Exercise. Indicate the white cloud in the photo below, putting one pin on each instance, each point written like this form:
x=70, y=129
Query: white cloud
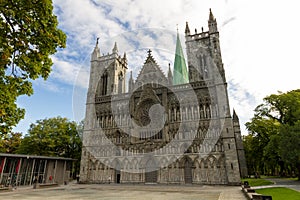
x=47, y=85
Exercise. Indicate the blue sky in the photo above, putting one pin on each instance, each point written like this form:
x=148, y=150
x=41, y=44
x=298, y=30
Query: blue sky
x=259, y=42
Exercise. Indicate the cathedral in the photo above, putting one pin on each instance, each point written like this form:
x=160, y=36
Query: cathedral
x=162, y=129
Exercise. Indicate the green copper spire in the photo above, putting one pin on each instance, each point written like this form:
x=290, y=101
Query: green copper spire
x=180, y=75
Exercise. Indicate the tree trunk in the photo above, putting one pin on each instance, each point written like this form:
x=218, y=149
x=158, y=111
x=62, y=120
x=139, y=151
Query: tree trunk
x=281, y=164
x=298, y=166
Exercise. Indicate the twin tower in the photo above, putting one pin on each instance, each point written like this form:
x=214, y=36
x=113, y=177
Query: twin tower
x=162, y=129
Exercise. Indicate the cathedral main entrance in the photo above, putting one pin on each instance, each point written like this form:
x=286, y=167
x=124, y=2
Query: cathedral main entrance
x=188, y=178
x=151, y=172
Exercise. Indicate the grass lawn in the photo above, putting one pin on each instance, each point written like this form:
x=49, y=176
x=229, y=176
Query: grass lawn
x=257, y=181
x=292, y=179
x=280, y=193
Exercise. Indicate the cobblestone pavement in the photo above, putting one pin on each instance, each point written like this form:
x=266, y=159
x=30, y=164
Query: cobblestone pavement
x=114, y=191
x=282, y=182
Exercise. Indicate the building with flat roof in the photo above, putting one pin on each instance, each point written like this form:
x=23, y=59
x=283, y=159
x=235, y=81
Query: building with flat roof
x=19, y=169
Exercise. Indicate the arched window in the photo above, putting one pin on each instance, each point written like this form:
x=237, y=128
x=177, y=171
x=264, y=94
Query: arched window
x=104, y=84
x=118, y=137
x=118, y=152
x=120, y=85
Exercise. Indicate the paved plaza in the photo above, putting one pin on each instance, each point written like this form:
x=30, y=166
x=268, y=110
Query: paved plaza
x=114, y=191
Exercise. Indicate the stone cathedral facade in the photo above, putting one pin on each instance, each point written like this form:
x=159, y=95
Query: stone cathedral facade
x=157, y=131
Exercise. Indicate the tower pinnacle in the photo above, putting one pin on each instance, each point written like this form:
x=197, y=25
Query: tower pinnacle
x=211, y=15
x=131, y=83
x=235, y=116
x=187, y=29
x=212, y=23
x=170, y=76
x=96, y=52
x=115, y=49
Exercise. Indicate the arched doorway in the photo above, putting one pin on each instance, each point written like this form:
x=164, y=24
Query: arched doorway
x=150, y=172
x=188, y=176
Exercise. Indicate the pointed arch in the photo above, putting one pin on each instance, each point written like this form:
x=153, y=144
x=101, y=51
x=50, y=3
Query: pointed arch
x=116, y=164
x=120, y=82
x=211, y=161
x=187, y=165
x=163, y=162
x=104, y=83
x=151, y=171
x=197, y=162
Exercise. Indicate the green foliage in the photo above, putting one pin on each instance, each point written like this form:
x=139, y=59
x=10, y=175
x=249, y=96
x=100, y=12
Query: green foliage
x=255, y=143
x=257, y=181
x=280, y=193
x=282, y=107
x=289, y=145
x=274, y=137
x=52, y=137
x=253, y=153
x=10, y=142
x=28, y=36
x=271, y=156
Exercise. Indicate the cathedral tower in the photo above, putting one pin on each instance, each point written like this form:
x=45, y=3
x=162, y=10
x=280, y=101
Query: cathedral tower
x=205, y=65
x=107, y=77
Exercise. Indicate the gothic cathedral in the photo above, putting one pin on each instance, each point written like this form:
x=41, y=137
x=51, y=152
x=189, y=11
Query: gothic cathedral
x=162, y=129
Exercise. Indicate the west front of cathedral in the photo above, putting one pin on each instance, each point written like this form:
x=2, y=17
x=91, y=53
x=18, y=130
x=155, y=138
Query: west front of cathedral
x=165, y=129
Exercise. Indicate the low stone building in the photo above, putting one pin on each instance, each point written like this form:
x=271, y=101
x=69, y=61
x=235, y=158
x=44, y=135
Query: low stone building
x=164, y=129
x=18, y=169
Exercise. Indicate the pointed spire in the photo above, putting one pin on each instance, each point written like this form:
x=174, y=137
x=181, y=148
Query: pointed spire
x=115, y=49
x=96, y=52
x=187, y=29
x=169, y=71
x=97, y=41
x=212, y=23
x=131, y=83
x=211, y=16
x=235, y=116
x=170, y=76
x=180, y=75
x=125, y=58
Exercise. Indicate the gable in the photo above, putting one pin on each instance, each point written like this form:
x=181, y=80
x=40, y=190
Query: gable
x=151, y=72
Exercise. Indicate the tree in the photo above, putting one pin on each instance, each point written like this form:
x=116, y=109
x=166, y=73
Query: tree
x=273, y=123
x=10, y=142
x=252, y=153
x=289, y=145
x=53, y=137
x=261, y=130
x=282, y=107
x=271, y=155
x=28, y=36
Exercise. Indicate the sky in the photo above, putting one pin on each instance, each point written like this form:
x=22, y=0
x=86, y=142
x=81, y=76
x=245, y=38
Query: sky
x=259, y=43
